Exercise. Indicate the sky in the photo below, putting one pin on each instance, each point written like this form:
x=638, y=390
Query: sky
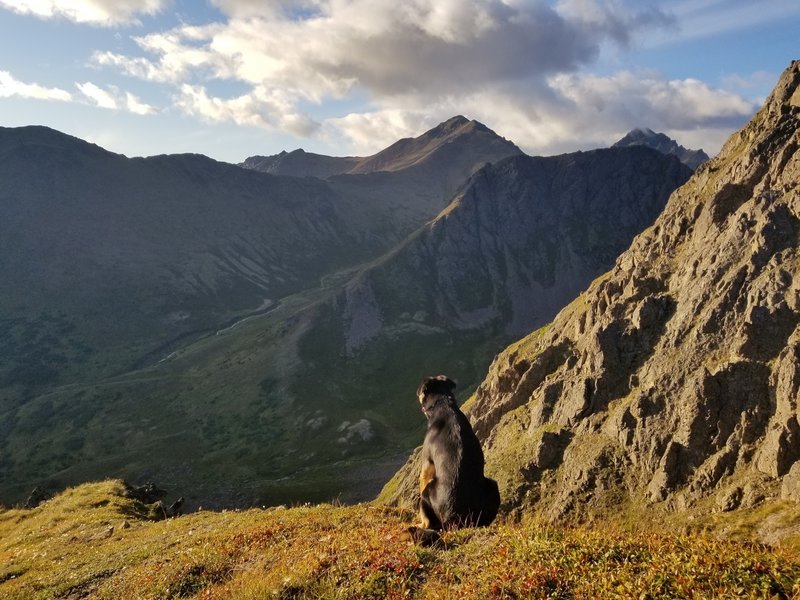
x=236, y=78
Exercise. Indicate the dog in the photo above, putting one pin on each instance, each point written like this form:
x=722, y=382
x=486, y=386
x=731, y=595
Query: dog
x=453, y=489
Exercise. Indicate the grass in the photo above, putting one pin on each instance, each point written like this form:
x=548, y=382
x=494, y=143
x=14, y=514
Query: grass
x=90, y=542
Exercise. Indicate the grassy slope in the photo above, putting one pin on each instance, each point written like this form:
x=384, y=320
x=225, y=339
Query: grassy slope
x=90, y=542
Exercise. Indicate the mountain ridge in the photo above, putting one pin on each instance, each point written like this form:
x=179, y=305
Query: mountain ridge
x=665, y=144
x=402, y=154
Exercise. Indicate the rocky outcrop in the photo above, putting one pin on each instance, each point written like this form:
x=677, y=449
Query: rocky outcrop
x=665, y=144
x=674, y=379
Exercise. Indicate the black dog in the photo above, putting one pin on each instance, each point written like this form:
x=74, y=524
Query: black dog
x=453, y=490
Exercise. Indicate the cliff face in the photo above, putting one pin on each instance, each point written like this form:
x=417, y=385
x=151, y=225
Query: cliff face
x=674, y=379
x=521, y=239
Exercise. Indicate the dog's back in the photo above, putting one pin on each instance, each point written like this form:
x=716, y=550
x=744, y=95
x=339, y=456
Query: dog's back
x=459, y=493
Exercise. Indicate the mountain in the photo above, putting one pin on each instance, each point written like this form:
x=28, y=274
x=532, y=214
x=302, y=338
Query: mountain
x=457, y=144
x=520, y=240
x=403, y=186
x=665, y=144
x=105, y=258
x=672, y=382
x=209, y=326
x=141, y=251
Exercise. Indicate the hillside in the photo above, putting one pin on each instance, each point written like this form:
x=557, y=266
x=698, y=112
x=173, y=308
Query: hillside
x=112, y=266
x=521, y=239
x=671, y=384
x=93, y=542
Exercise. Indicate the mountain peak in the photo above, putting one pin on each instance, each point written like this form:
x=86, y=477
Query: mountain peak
x=664, y=144
x=456, y=121
x=471, y=135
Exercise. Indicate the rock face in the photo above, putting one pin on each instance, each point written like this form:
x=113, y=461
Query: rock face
x=522, y=238
x=674, y=380
x=665, y=144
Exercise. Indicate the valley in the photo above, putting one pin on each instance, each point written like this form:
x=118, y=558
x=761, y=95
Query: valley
x=161, y=360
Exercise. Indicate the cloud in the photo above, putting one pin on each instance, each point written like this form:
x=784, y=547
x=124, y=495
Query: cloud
x=97, y=96
x=11, y=87
x=677, y=104
x=110, y=98
x=517, y=65
x=261, y=108
x=327, y=47
x=566, y=112
x=395, y=54
x=92, y=12
x=113, y=99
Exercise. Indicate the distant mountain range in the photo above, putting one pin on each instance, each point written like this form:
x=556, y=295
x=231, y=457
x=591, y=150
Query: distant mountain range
x=253, y=334
x=664, y=144
x=450, y=145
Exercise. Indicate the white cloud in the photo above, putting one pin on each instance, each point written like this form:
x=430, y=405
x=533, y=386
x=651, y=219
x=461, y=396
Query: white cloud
x=97, y=96
x=92, y=12
x=110, y=98
x=514, y=64
x=11, y=87
x=566, y=113
x=367, y=133
x=136, y=106
x=261, y=108
x=113, y=99
x=397, y=54
x=677, y=104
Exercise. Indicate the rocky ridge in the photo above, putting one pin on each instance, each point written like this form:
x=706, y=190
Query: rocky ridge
x=673, y=381
x=665, y=144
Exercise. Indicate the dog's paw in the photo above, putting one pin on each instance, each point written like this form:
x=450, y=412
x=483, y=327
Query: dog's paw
x=423, y=537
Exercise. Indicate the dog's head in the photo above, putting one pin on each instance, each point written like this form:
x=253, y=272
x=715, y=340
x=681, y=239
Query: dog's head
x=433, y=389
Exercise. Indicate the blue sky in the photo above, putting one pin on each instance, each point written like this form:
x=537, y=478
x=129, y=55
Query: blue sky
x=233, y=78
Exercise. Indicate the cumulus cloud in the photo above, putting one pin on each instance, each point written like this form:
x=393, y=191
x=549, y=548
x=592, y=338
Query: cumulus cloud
x=91, y=12
x=260, y=108
x=11, y=87
x=566, y=112
x=614, y=103
x=517, y=65
x=395, y=53
x=112, y=98
x=387, y=48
